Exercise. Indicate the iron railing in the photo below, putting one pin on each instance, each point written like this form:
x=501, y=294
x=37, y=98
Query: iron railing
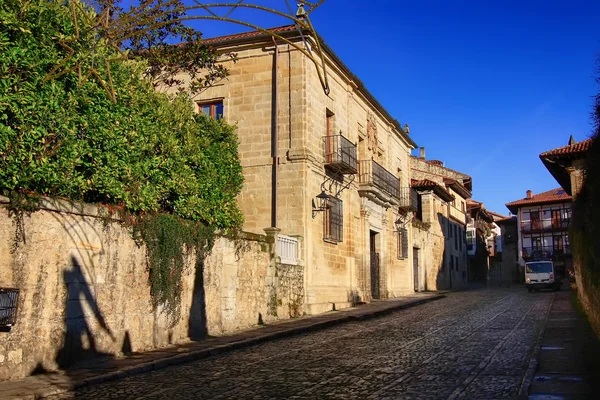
x=545, y=252
x=9, y=301
x=288, y=249
x=409, y=199
x=545, y=225
x=370, y=172
x=340, y=153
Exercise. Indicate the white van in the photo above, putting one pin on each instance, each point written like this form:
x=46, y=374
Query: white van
x=541, y=275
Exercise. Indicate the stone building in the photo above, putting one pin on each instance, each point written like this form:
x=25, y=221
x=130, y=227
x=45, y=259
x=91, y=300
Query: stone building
x=509, y=257
x=330, y=171
x=566, y=164
x=440, y=223
x=479, y=231
x=543, y=227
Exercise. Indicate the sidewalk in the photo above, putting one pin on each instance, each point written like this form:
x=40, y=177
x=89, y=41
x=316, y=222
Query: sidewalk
x=40, y=386
x=569, y=355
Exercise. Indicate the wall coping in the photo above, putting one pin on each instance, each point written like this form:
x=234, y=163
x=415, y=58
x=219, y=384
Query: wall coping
x=105, y=212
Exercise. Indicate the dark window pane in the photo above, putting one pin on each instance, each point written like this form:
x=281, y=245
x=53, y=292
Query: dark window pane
x=219, y=110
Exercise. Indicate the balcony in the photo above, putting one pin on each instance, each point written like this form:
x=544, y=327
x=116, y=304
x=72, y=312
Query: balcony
x=409, y=200
x=457, y=214
x=545, y=225
x=372, y=177
x=545, y=252
x=340, y=154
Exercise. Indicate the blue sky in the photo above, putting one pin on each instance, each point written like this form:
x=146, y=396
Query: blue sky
x=485, y=86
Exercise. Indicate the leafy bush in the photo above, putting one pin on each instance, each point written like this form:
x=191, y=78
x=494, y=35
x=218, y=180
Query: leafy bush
x=66, y=137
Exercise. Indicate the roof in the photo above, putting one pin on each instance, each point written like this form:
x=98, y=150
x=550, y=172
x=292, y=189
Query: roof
x=558, y=195
x=248, y=35
x=497, y=217
x=292, y=32
x=426, y=184
x=558, y=160
x=458, y=187
x=570, y=149
x=512, y=218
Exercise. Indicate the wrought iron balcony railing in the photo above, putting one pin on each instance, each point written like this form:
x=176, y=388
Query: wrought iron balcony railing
x=340, y=154
x=545, y=225
x=545, y=252
x=409, y=200
x=371, y=173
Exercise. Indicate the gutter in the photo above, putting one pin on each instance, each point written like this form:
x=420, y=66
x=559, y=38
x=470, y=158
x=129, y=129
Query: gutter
x=274, y=138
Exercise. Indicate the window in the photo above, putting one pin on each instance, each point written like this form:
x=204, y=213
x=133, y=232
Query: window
x=451, y=263
x=460, y=238
x=333, y=221
x=214, y=109
x=456, y=262
x=402, y=244
x=455, y=237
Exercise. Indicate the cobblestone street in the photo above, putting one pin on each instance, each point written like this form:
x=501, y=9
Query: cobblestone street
x=475, y=344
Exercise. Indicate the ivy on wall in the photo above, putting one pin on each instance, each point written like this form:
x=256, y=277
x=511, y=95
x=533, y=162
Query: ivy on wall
x=148, y=152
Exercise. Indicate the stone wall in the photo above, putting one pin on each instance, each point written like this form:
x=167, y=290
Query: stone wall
x=84, y=289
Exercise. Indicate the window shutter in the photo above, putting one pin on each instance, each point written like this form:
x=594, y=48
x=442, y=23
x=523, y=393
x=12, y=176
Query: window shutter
x=404, y=233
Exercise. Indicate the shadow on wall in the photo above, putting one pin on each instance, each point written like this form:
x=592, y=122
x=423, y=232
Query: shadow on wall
x=79, y=341
x=444, y=279
x=197, y=329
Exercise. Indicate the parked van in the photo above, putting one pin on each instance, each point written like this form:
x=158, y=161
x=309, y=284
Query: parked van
x=541, y=275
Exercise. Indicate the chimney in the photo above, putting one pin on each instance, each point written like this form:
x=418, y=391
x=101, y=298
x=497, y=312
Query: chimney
x=422, y=153
x=529, y=196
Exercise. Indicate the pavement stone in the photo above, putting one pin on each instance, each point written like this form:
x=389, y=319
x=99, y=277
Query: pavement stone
x=104, y=370
x=468, y=345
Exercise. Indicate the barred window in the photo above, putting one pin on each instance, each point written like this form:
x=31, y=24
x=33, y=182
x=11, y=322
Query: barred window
x=402, y=243
x=333, y=221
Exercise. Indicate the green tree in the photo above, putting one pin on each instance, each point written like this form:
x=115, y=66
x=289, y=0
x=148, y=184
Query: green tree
x=63, y=134
x=65, y=137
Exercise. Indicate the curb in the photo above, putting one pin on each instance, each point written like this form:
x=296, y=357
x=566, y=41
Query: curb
x=224, y=348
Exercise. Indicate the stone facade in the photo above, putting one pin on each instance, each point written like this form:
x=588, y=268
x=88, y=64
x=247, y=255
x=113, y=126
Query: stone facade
x=84, y=289
x=275, y=92
x=442, y=238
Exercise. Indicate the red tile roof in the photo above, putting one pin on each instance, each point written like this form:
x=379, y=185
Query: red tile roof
x=423, y=183
x=551, y=196
x=575, y=148
x=251, y=34
x=431, y=185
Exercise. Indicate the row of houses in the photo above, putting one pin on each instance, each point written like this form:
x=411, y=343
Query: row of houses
x=539, y=228
x=334, y=176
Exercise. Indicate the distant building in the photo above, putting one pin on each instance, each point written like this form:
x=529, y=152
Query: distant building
x=440, y=222
x=543, y=227
x=478, y=233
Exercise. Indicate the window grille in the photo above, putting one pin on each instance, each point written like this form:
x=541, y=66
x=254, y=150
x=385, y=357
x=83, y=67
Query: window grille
x=402, y=243
x=333, y=221
x=9, y=300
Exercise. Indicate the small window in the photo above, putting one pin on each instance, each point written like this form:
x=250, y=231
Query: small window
x=402, y=244
x=451, y=263
x=214, y=109
x=333, y=221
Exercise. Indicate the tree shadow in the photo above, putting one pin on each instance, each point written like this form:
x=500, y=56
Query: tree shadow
x=79, y=341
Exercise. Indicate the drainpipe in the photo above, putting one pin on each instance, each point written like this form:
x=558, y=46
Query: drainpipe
x=274, y=138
